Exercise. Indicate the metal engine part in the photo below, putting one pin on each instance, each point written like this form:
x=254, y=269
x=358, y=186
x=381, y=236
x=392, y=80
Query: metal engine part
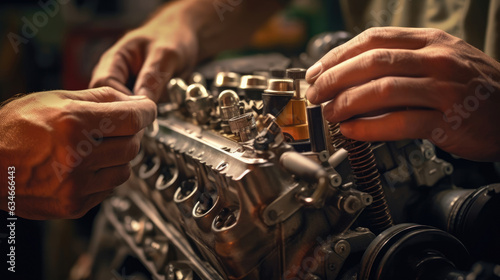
x=219, y=192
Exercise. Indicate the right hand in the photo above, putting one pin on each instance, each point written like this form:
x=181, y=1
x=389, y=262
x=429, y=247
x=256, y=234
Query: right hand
x=153, y=52
x=69, y=148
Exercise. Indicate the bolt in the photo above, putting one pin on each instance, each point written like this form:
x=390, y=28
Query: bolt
x=342, y=247
x=428, y=153
x=272, y=215
x=352, y=204
x=447, y=169
x=335, y=180
x=331, y=267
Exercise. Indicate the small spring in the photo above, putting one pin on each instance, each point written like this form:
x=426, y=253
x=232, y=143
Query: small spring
x=337, y=139
x=367, y=176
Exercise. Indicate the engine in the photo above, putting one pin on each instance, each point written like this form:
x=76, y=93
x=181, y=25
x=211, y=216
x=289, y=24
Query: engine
x=241, y=178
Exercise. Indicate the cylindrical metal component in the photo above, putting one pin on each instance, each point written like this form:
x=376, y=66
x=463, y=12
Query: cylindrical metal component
x=229, y=104
x=177, y=90
x=302, y=166
x=316, y=128
x=252, y=86
x=280, y=86
x=197, y=78
x=296, y=74
x=227, y=80
x=244, y=126
x=277, y=73
x=198, y=103
x=337, y=157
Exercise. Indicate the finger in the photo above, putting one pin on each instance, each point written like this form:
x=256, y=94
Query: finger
x=400, y=125
x=121, y=60
x=121, y=118
x=373, y=38
x=363, y=68
x=390, y=93
x=96, y=198
x=108, y=178
x=157, y=70
x=100, y=94
x=114, y=151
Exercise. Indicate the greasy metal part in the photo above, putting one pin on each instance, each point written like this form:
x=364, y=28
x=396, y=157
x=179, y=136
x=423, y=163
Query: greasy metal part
x=468, y=215
x=244, y=126
x=229, y=107
x=177, y=88
x=277, y=73
x=309, y=170
x=225, y=80
x=339, y=156
x=199, y=103
x=316, y=128
x=208, y=204
x=297, y=75
x=410, y=251
x=252, y=86
x=367, y=178
x=197, y=78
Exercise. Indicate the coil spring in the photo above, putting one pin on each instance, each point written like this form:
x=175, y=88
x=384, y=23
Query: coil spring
x=337, y=139
x=367, y=176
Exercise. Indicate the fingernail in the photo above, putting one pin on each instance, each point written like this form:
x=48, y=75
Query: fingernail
x=144, y=92
x=314, y=71
x=138, y=97
x=328, y=111
x=311, y=94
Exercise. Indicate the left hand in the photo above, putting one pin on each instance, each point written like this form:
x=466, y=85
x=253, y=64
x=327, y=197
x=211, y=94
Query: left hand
x=413, y=83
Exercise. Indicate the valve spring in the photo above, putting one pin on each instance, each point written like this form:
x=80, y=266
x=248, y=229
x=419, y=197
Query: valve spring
x=337, y=139
x=367, y=176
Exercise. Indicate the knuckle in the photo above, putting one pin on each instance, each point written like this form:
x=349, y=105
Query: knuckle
x=325, y=81
x=379, y=57
x=122, y=175
x=134, y=119
x=384, y=87
x=132, y=150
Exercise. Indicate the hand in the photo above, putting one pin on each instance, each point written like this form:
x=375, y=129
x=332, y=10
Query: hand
x=179, y=36
x=152, y=52
x=69, y=149
x=402, y=83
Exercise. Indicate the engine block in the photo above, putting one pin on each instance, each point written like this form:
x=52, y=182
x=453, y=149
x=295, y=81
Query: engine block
x=246, y=180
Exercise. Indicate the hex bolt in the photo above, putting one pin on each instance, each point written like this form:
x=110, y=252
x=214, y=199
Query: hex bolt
x=352, y=204
x=342, y=248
